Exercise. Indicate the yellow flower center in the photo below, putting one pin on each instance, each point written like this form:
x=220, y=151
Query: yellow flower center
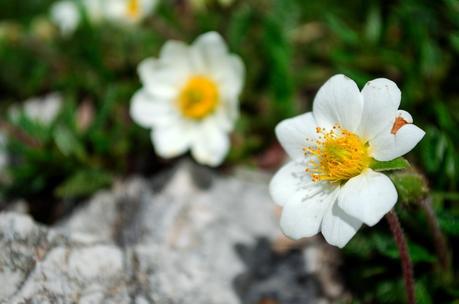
x=198, y=98
x=133, y=8
x=337, y=155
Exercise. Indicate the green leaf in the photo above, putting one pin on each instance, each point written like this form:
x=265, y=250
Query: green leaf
x=449, y=223
x=67, y=142
x=342, y=30
x=239, y=25
x=386, y=246
x=389, y=291
x=420, y=254
x=278, y=52
x=395, y=164
x=360, y=247
x=422, y=293
x=83, y=183
x=373, y=24
x=454, y=39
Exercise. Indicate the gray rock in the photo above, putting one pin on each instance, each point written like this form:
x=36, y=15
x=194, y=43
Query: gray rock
x=186, y=237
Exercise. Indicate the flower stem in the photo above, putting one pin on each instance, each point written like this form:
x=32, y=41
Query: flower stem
x=19, y=135
x=407, y=267
x=439, y=239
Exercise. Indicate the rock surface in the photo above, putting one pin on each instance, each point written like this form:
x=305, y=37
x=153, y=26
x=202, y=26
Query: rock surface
x=186, y=237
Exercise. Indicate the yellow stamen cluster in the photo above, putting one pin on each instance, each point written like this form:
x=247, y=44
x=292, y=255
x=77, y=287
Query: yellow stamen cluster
x=198, y=98
x=337, y=155
x=133, y=8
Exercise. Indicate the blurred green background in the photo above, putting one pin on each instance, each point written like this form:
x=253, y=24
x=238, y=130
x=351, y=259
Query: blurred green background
x=290, y=48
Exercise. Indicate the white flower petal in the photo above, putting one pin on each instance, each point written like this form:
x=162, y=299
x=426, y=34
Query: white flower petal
x=210, y=145
x=405, y=115
x=43, y=110
x=381, y=101
x=210, y=56
x=338, y=101
x=65, y=14
x=387, y=146
x=162, y=79
x=174, y=53
x=172, y=140
x=118, y=10
x=368, y=196
x=207, y=50
x=338, y=227
x=115, y=10
x=211, y=43
x=95, y=9
x=303, y=213
x=293, y=132
x=148, y=6
x=148, y=112
x=228, y=71
x=289, y=180
x=51, y=107
x=225, y=116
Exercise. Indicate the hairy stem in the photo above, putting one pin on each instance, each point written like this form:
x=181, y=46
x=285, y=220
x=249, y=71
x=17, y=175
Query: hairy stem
x=441, y=246
x=407, y=267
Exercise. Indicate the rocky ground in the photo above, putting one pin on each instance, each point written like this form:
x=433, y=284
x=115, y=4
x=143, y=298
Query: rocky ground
x=188, y=236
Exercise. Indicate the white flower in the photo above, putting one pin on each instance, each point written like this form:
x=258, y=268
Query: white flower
x=39, y=109
x=66, y=15
x=130, y=11
x=328, y=186
x=94, y=9
x=190, y=98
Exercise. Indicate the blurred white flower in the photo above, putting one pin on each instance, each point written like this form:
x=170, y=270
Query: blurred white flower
x=66, y=15
x=130, y=11
x=94, y=9
x=39, y=109
x=190, y=98
x=329, y=186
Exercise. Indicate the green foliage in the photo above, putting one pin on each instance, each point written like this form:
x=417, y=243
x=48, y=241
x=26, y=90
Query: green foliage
x=290, y=47
x=395, y=164
x=83, y=183
x=386, y=246
x=449, y=223
x=411, y=186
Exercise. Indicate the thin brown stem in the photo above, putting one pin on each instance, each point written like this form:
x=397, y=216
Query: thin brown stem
x=407, y=267
x=19, y=134
x=441, y=245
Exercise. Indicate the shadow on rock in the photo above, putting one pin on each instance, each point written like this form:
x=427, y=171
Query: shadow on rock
x=273, y=278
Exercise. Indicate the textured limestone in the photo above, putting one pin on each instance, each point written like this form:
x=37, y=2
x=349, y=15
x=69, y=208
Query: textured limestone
x=188, y=236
